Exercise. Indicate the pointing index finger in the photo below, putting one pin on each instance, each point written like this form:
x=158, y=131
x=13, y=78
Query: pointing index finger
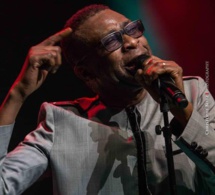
x=52, y=40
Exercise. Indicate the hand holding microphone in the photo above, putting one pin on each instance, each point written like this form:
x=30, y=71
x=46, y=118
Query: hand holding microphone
x=164, y=77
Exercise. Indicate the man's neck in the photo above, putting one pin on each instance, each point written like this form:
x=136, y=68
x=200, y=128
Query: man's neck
x=120, y=100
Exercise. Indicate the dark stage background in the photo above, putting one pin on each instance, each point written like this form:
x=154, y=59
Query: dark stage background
x=179, y=30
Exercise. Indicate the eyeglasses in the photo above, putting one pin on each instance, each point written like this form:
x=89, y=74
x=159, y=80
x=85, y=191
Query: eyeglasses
x=113, y=41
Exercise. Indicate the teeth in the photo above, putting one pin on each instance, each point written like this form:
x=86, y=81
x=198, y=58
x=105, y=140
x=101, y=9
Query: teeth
x=133, y=62
x=132, y=68
x=136, y=63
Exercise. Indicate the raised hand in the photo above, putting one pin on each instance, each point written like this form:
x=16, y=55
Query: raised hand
x=41, y=59
x=152, y=68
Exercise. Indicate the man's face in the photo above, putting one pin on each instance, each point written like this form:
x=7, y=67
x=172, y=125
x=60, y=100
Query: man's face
x=116, y=68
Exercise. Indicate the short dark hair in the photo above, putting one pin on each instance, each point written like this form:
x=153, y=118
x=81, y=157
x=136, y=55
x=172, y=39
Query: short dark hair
x=75, y=47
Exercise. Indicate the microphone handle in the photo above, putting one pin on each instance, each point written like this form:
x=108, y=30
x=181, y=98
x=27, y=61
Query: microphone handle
x=166, y=85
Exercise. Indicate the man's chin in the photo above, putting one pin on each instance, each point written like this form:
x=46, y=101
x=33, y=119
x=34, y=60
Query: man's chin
x=133, y=84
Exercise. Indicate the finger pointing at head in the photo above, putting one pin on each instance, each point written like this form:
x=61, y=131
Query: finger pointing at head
x=52, y=40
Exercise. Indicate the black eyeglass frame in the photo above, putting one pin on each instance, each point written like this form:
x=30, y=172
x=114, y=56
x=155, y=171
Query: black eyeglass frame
x=118, y=34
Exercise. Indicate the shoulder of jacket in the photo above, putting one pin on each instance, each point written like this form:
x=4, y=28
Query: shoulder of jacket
x=82, y=103
x=186, y=78
x=64, y=103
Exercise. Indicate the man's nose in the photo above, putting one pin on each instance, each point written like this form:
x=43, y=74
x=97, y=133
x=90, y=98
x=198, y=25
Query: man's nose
x=129, y=42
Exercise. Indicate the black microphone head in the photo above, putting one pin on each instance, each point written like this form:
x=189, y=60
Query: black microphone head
x=141, y=59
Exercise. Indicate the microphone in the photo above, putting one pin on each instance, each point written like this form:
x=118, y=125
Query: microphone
x=166, y=86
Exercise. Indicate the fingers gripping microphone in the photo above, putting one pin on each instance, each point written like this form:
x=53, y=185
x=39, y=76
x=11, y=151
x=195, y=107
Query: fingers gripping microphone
x=166, y=85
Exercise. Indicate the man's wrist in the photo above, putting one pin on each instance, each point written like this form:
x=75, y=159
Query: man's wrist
x=183, y=115
x=11, y=106
x=17, y=94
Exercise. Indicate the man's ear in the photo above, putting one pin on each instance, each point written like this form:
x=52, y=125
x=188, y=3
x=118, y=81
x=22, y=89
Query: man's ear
x=83, y=73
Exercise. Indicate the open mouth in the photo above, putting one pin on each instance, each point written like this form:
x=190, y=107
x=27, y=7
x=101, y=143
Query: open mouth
x=136, y=63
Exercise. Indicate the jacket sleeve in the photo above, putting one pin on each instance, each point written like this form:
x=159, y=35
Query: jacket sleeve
x=198, y=138
x=20, y=168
